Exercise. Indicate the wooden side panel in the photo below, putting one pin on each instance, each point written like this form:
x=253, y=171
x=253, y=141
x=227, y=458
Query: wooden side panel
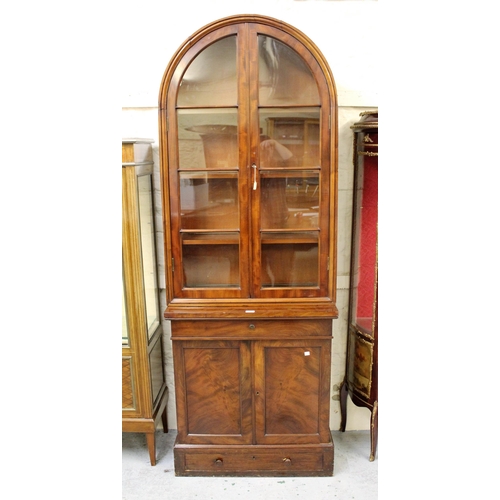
x=213, y=392
x=156, y=367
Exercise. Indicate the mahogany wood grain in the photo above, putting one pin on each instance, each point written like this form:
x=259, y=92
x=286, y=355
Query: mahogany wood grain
x=213, y=391
x=292, y=374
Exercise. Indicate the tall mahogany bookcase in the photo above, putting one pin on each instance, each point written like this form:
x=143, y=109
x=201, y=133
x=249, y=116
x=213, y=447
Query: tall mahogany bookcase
x=248, y=148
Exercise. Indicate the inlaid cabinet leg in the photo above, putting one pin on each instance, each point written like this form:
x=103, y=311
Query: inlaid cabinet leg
x=150, y=436
x=374, y=431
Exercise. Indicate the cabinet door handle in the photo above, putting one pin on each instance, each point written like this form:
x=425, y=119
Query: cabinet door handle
x=254, y=166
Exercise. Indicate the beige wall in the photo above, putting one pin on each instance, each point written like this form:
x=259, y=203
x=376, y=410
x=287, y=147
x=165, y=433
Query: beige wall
x=344, y=31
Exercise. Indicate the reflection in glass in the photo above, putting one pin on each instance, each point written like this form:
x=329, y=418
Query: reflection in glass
x=284, y=77
x=146, y=223
x=208, y=138
x=294, y=134
x=290, y=199
x=210, y=79
x=365, y=248
x=209, y=200
x=290, y=260
x=124, y=316
x=210, y=259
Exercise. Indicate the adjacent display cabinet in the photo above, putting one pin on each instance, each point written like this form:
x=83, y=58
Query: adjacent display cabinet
x=248, y=150
x=144, y=390
x=362, y=346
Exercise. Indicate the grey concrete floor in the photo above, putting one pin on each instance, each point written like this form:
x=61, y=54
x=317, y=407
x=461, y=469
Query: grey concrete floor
x=354, y=476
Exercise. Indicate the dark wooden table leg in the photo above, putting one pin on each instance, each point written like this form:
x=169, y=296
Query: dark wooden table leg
x=343, y=406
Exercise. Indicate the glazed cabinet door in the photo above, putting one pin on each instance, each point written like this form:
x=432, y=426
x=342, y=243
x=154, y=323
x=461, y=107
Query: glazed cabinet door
x=249, y=166
x=292, y=391
x=207, y=178
x=290, y=157
x=213, y=391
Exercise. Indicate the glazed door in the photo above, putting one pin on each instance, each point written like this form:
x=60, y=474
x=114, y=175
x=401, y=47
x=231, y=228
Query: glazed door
x=292, y=391
x=249, y=167
x=213, y=392
x=290, y=168
x=249, y=120
x=207, y=153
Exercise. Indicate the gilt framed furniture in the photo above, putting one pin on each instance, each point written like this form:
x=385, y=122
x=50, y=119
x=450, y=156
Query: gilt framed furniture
x=144, y=390
x=248, y=153
x=361, y=380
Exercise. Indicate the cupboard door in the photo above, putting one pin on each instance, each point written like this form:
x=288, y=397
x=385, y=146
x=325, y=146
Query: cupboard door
x=292, y=381
x=213, y=392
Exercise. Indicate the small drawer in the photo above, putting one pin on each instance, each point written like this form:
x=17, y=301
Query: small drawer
x=267, y=329
x=259, y=462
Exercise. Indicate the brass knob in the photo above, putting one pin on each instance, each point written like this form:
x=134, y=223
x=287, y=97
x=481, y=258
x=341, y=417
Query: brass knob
x=287, y=460
x=219, y=461
x=251, y=326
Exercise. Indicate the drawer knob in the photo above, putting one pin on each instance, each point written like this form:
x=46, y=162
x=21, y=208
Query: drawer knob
x=219, y=461
x=251, y=326
x=287, y=461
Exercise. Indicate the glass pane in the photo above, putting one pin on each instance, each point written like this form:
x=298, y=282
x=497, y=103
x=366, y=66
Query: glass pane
x=209, y=200
x=146, y=223
x=290, y=260
x=290, y=199
x=210, y=79
x=365, y=248
x=289, y=137
x=210, y=260
x=208, y=138
x=124, y=316
x=284, y=77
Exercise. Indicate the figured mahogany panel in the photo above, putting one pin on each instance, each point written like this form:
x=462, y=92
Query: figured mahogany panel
x=292, y=391
x=213, y=393
x=292, y=381
x=213, y=390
